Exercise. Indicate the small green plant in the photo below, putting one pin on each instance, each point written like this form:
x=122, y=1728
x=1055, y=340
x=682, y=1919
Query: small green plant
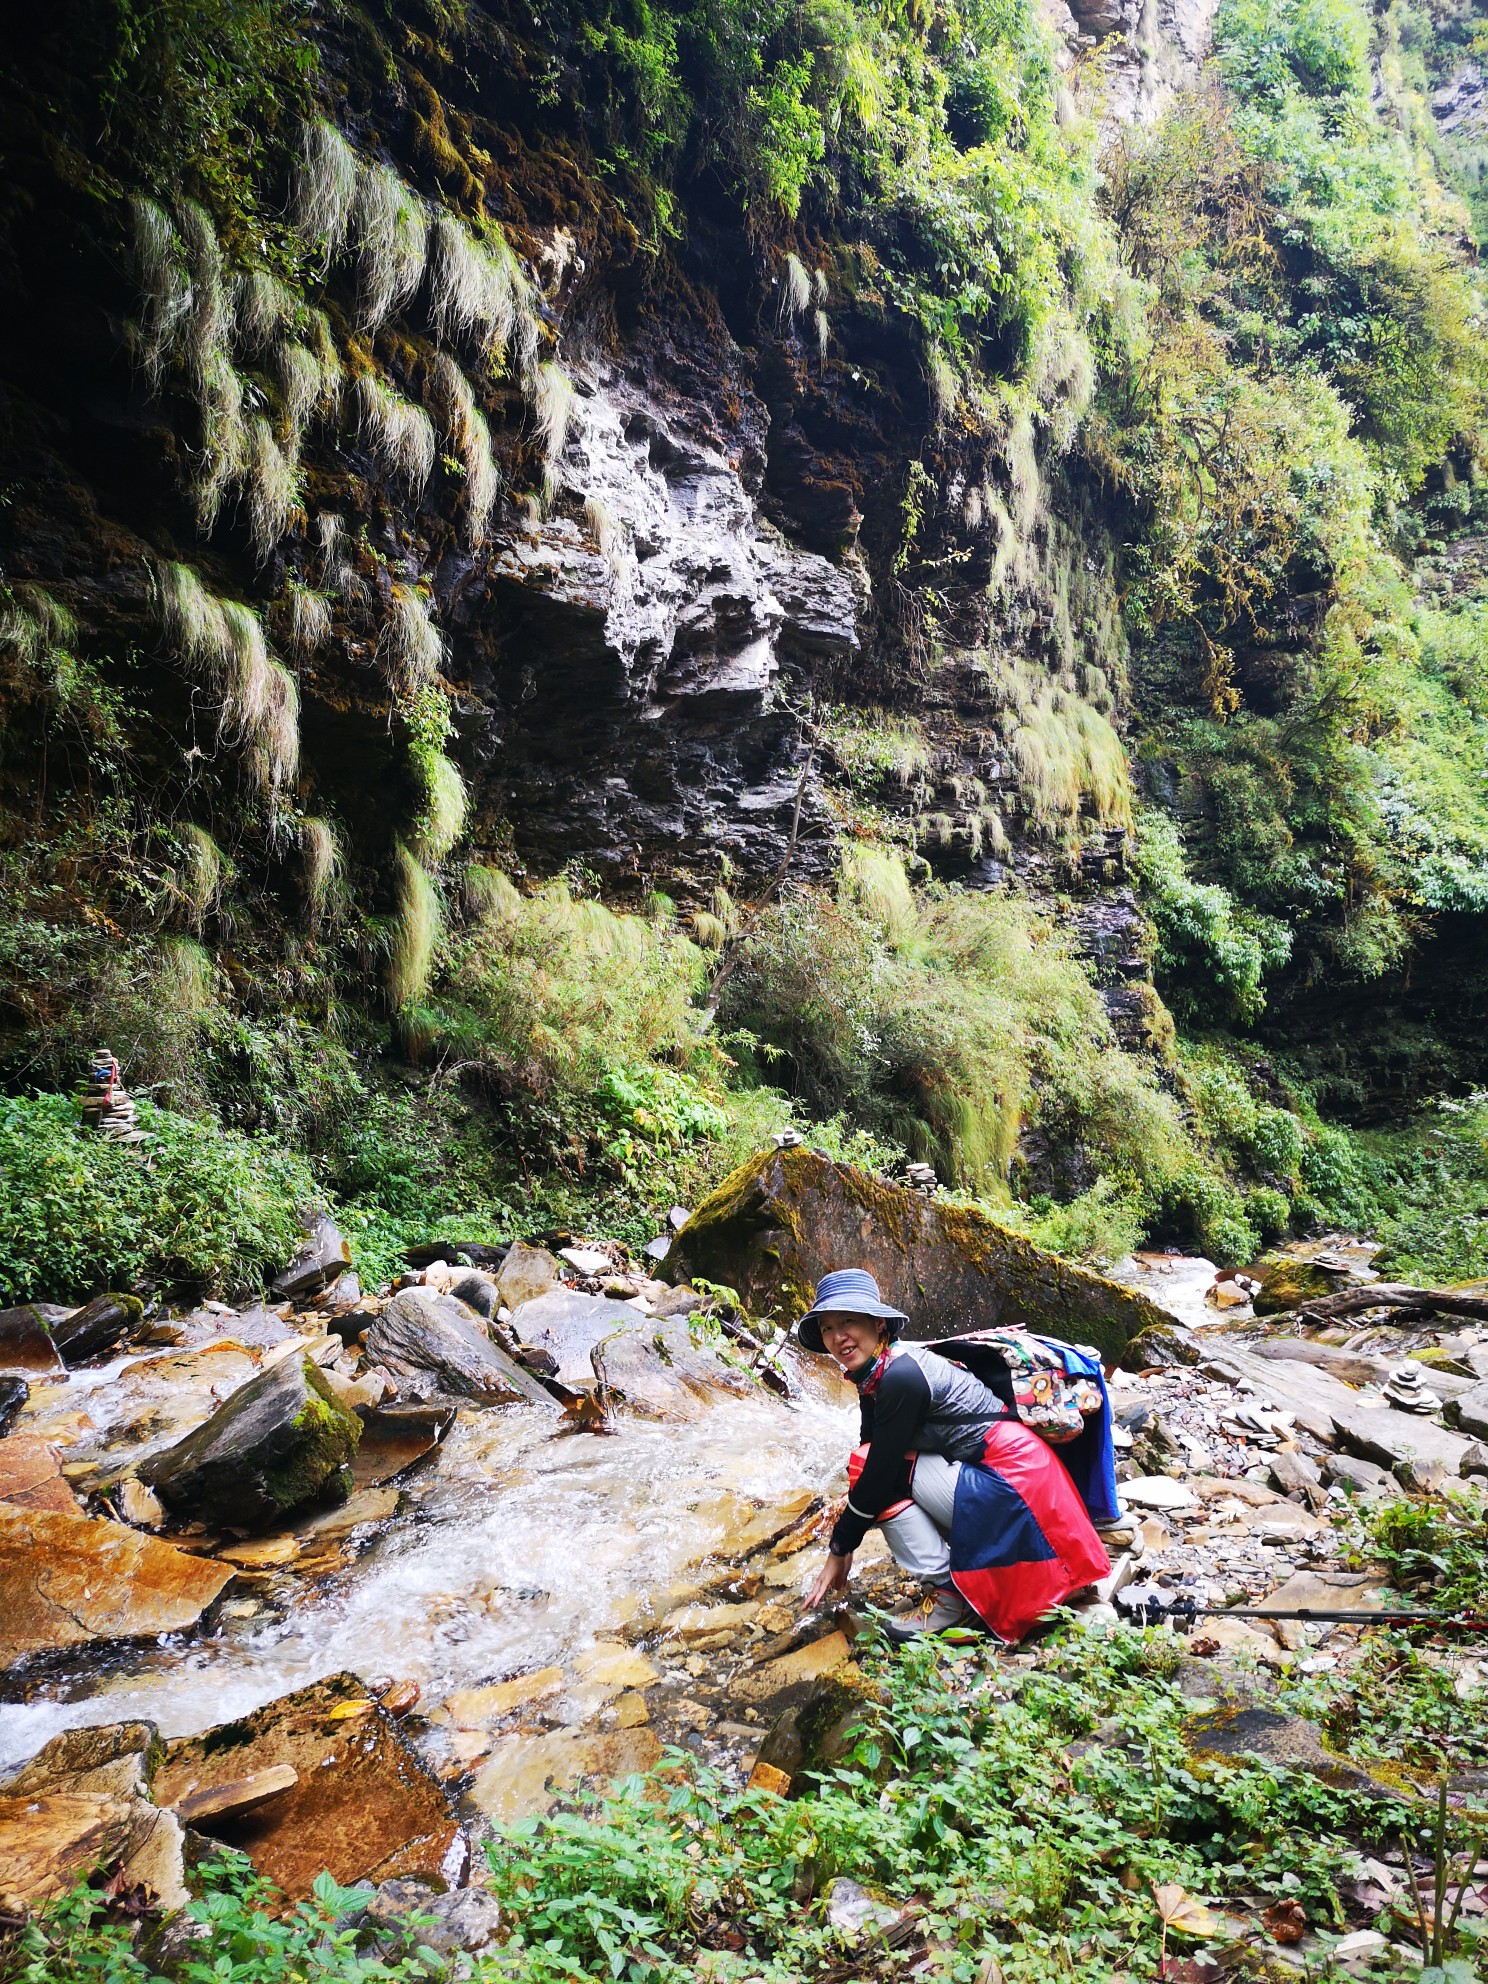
x=198, y=1203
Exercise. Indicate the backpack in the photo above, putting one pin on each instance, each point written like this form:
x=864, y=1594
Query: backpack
x=1031, y=1375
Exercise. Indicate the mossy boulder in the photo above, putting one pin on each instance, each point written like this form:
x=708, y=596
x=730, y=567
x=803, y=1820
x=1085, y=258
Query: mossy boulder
x=779, y=1223
x=1160, y=1347
x=1289, y=1282
x=96, y=1327
x=281, y=1440
x=1226, y=1735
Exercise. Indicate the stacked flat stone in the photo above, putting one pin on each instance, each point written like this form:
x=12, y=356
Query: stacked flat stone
x=106, y=1104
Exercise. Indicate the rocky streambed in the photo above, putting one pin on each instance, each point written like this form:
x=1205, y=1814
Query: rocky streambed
x=344, y=1579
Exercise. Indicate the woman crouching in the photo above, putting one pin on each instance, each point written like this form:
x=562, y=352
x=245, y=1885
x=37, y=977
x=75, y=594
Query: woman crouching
x=970, y=1501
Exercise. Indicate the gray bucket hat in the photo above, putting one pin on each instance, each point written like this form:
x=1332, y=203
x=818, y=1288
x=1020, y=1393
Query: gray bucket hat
x=847, y=1292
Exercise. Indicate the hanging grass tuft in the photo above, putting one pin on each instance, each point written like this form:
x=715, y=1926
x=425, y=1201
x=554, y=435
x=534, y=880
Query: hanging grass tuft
x=398, y=432
x=391, y=227
x=410, y=647
x=324, y=190
x=416, y=928
x=469, y=438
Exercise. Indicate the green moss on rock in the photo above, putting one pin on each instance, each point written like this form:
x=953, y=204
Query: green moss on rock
x=781, y=1221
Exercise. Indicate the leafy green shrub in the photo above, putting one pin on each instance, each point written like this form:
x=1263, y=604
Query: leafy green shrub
x=1212, y=954
x=1215, y=1213
x=242, y=1930
x=1438, y=1548
x=1268, y=1211
x=945, y=1021
x=200, y=1203
x=1277, y=1141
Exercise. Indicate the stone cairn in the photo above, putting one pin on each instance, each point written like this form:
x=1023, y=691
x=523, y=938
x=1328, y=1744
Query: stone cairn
x=106, y=1104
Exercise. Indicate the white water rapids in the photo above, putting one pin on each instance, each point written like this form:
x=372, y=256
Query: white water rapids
x=519, y=1547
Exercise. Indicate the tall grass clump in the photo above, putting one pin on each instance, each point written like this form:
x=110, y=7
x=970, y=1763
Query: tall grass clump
x=274, y=745
x=795, y=290
x=477, y=289
x=469, y=438
x=945, y=1022
x=324, y=190
x=391, y=227
x=263, y=306
x=320, y=851
x=202, y=875
x=308, y=378
x=160, y=269
x=193, y=622
x=410, y=647
x=552, y=406
x=441, y=818
x=396, y=430
x=1067, y=755
x=415, y=933
x=209, y=320
x=224, y=432
x=34, y=627
x=554, y=994
x=305, y=618
x=273, y=487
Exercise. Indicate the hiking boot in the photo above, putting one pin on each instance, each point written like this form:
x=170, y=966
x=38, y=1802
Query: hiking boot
x=937, y=1612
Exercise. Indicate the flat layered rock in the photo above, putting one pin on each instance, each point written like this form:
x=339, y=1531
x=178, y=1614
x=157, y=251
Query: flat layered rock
x=525, y=1274
x=31, y=1476
x=71, y=1580
x=776, y=1678
x=394, y=1437
x=52, y=1840
x=361, y=1805
x=26, y=1343
x=570, y=1327
x=780, y=1222
x=276, y=1444
x=1288, y=1740
x=439, y=1345
x=1470, y=1411
x=145, y=1409
x=527, y=1773
x=96, y=1327
x=1401, y=1440
x=659, y=1373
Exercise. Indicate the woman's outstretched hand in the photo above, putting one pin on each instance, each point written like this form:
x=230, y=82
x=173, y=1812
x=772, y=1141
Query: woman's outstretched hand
x=831, y=1577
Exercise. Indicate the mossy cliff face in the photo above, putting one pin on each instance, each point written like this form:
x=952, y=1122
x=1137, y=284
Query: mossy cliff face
x=788, y=1217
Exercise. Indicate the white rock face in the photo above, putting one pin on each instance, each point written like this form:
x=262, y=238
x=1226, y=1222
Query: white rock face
x=1147, y=51
x=696, y=593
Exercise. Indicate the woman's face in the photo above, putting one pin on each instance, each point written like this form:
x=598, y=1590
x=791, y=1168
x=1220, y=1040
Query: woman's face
x=852, y=1340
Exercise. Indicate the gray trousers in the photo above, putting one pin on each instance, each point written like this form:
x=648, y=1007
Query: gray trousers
x=919, y=1537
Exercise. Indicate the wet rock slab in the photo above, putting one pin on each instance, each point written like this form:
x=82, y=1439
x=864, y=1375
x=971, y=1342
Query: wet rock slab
x=780, y=1222
x=362, y=1806
x=1400, y=1440
x=274, y=1445
x=394, y=1437
x=82, y=1803
x=26, y=1343
x=1289, y=1740
x=659, y=1373
x=438, y=1346
x=570, y=1327
x=71, y=1580
x=31, y=1476
x=144, y=1409
x=526, y=1773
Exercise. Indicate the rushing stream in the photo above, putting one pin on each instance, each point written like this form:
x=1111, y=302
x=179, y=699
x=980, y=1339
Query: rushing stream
x=514, y=1548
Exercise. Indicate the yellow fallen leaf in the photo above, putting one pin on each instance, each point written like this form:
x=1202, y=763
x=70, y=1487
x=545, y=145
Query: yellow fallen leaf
x=1180, y=1911
x=344, y=1711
